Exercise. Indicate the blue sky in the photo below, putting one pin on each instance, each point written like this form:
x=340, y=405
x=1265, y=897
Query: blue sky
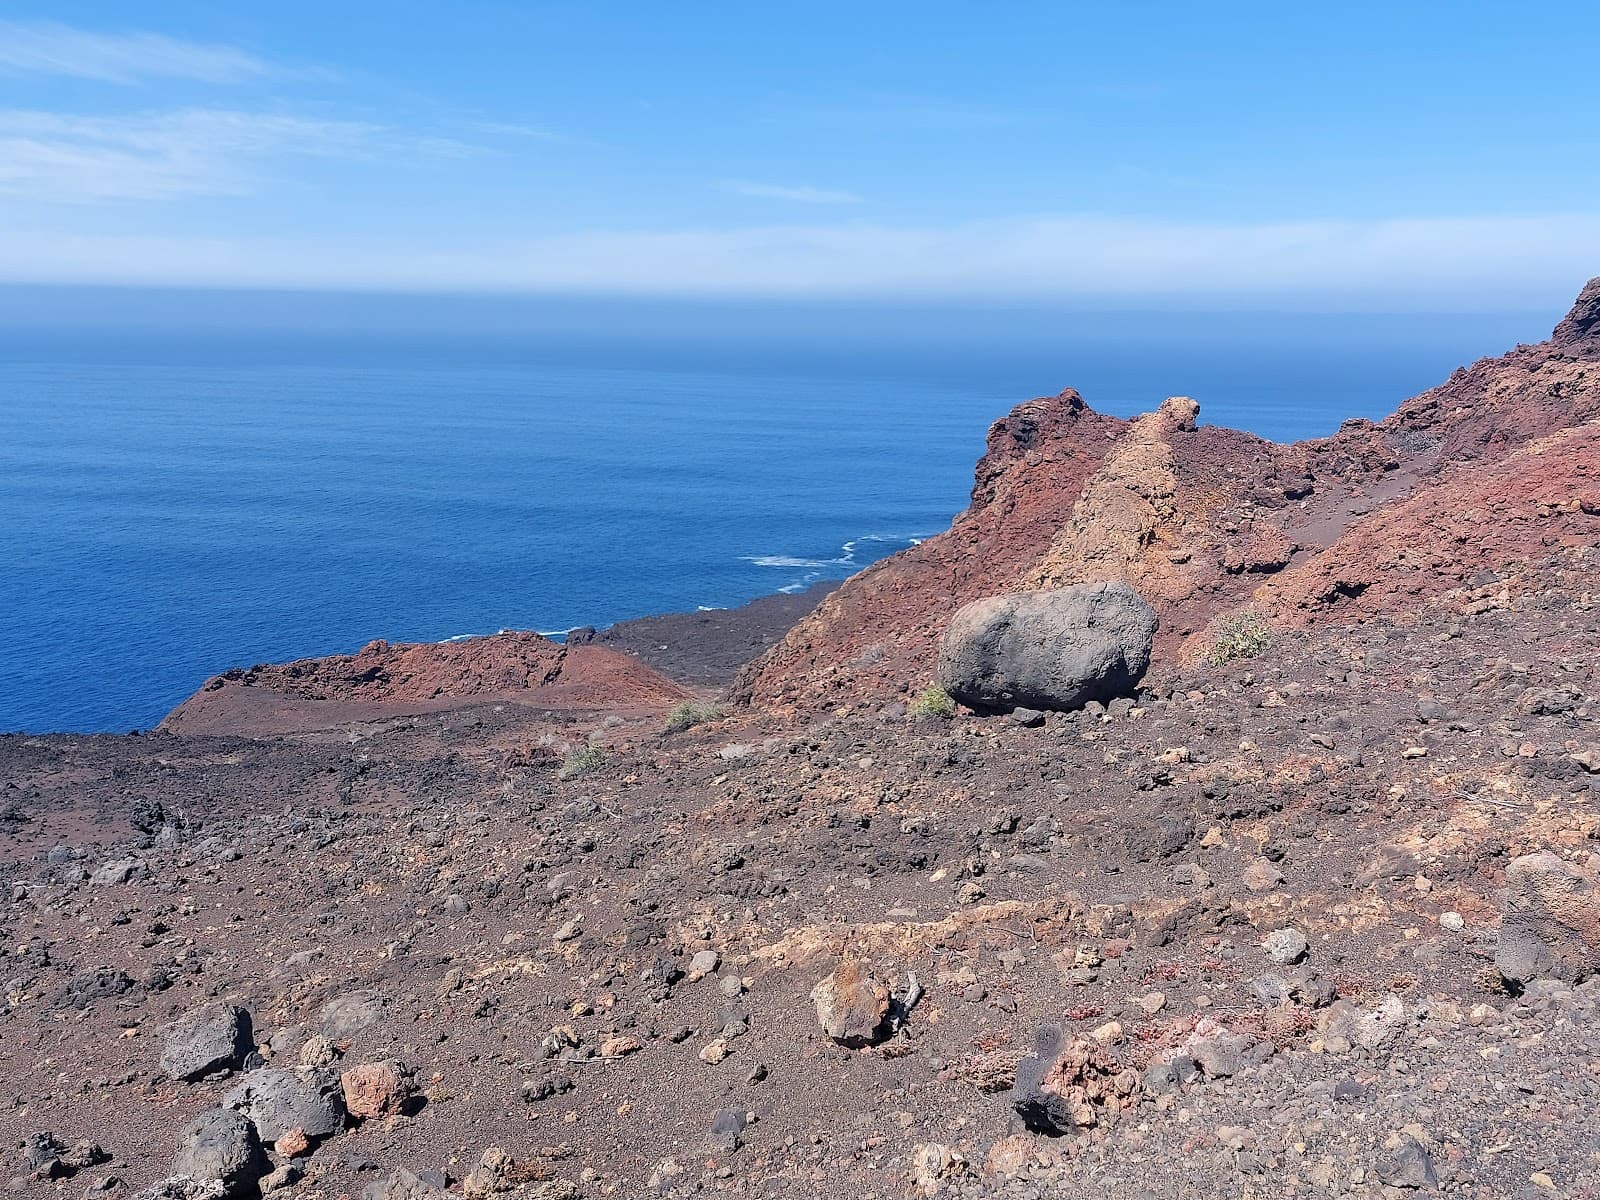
x=1359, y=155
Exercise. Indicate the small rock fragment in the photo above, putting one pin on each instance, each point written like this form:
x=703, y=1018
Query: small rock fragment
x=852, y=1005
x=1409, y=1165
x=933, y=1164
x=1286, y=946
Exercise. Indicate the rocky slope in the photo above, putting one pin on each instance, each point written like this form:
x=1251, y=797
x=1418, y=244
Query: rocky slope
x=1197, y=518
x=1316, y=917
x=385, y=681
x=1268, y=898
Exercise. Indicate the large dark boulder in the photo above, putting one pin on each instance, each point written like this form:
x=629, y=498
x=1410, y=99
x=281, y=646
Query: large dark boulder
x=1055, y=649
x=221, y=1146
x=1550, y=926
x=277, y=1102
x=213, y=1037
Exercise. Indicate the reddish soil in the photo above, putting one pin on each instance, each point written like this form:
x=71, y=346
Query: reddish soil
x=385, y=681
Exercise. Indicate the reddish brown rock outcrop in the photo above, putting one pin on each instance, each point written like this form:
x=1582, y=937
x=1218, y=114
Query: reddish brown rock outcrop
x=864, y=637
x=1504, y=518
x=1198, y=518
x=385, y=680
x=1488, y=409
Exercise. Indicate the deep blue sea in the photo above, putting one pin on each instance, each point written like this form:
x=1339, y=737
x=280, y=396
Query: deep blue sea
x=175, y=504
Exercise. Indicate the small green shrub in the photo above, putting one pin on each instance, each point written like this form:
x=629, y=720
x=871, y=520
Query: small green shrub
x=934, y=702
x=1238, y=635
x=580, y=761
x=687, y=716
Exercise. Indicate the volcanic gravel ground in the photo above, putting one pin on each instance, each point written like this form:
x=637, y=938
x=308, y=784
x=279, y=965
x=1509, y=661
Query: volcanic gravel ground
x=455, y=900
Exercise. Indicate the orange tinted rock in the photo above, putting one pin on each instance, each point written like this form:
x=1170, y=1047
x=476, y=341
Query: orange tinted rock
x=852, y=1005
x=376, y=1089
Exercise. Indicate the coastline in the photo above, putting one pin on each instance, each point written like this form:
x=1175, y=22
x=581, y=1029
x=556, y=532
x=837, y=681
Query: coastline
x=707, y=647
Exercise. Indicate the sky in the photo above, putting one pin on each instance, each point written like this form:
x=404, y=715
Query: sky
x=1360, y=156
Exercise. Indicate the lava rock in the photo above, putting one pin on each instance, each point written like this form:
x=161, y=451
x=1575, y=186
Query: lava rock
x=213, y=1037
x=727, y=1129
x=378, y=1089
x=221, y=1146
x=1286, y=946
x=1054, y=649
x=46, y=1158
x=402, y=1184
x=1068, y=1084
x=1550, y=927
x=1409, y=1165
x=118, y=871
x=852, y=1005
x=279, y=1102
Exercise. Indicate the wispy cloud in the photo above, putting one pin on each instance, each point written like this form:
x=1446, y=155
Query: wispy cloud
x=60, y=157
x=794, y=195
x=920, y=113
x=50, y=48
x=514, y=129
x=1442, y=263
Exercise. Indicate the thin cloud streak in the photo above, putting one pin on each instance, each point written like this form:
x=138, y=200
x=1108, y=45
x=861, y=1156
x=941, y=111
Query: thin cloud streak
x=794, y=195
x=1441, y=263
x=67, y=158
x=51, y=48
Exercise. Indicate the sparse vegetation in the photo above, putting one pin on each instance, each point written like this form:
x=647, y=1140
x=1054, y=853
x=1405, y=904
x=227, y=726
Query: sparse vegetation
x=934, y=702
x=1238, y=635
x=580, y=761
x=687, y=716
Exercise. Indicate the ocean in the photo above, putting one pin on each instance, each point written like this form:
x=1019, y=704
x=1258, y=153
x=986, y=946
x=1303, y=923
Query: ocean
x=173, y=504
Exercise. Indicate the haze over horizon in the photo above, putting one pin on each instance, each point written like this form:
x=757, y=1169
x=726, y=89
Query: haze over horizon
x=900, y=154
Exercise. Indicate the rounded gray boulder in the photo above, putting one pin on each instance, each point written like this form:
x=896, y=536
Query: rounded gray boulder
x=221, y=1146
x=277, y=1102
x=1055, y=649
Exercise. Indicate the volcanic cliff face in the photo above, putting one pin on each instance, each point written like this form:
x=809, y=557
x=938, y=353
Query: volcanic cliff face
x=863, y=636
x=386, y=680
x=1204, y=520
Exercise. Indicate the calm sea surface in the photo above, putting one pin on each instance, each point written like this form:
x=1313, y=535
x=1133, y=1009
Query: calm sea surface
x=171, y=506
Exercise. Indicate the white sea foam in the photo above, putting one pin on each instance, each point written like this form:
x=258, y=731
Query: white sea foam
x=847, y=553
x=467, y=637
x=817, y=568
x=786, y=560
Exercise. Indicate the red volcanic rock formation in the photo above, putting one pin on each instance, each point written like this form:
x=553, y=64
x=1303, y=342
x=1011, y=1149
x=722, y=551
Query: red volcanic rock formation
x=1198, y=519
x=1485, y=410
x=1507, y=519
x=863, y=636
x=386, y=680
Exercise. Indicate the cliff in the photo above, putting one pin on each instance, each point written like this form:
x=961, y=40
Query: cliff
x=1204, y=520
